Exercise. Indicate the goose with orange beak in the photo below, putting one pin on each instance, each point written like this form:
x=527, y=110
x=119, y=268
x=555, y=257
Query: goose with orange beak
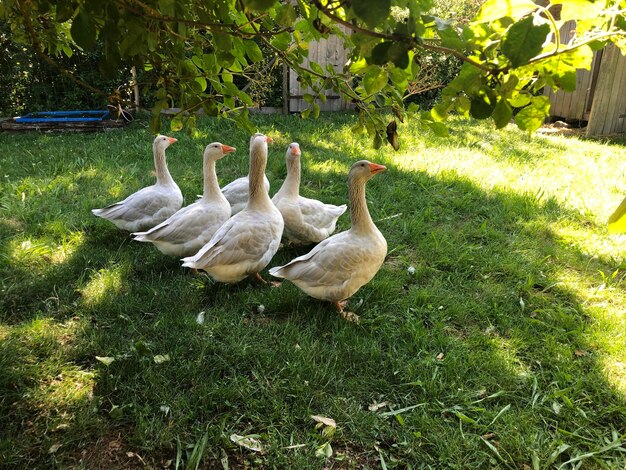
x=306, y=220
x=151, y=205
x=246, y=243
x=189, y=229
x=340, y=265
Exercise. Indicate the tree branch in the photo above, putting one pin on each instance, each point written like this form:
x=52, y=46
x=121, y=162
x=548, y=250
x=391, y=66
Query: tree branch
x=24, y=7
x=412, y=42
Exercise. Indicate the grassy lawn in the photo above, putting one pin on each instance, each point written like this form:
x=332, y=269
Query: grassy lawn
x=503, y=345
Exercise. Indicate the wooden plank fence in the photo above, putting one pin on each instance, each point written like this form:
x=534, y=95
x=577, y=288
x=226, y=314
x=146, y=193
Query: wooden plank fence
x=608, y=113
x=600, y=95
x=325, y=52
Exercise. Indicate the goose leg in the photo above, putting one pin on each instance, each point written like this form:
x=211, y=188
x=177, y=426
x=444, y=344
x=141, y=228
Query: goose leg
x=257, y=277
x=349, y=316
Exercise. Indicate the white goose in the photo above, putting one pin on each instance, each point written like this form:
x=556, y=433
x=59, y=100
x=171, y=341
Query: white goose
x=338, y=266
x=246, y=242
x=188, y=230
x=306, y=220
x=237, y=191
x=151, y=205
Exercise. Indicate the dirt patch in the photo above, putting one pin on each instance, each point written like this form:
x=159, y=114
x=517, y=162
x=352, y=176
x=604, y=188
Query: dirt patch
x=112, y=452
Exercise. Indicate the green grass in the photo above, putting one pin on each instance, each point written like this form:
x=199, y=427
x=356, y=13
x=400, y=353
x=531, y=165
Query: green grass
x=505, y=348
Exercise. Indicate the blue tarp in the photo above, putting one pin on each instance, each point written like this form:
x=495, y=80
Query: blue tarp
x=64, y=116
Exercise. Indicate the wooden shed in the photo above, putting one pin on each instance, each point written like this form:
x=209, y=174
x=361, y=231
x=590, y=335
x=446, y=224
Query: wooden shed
x=330, y=51
x=600, y=95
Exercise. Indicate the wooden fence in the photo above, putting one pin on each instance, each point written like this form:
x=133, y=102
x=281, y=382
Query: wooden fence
x=325, y=52
x=600, y=95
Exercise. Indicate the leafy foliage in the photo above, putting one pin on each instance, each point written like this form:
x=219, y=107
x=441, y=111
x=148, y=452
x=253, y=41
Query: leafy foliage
x=198, y=49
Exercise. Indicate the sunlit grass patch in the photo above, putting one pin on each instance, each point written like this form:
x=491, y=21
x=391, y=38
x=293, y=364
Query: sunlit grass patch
x=107, y=283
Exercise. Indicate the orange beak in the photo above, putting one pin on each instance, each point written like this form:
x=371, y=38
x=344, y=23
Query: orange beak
x=171, y=140
x=375, y=168
x=227, y=148
x=295, y=150
x=268, y=139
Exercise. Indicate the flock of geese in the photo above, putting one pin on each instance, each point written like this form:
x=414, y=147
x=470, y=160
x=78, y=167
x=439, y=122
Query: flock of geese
x=234, y=232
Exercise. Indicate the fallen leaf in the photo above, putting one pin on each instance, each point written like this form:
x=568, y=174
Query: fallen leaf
x=377, y=406
x=200, y=318
x=488, y=436
x=249, y=442
x=440, y=356
x=160, y=358
x=580, y=353
x=325, y=450
x=53, y=448
x=106, y=360
x=325, y=421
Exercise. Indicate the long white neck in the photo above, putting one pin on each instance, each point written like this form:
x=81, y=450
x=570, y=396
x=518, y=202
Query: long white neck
x=162, y=173
x=211, y=185
x=291, y=185
x=258, y=194
x=359, y=213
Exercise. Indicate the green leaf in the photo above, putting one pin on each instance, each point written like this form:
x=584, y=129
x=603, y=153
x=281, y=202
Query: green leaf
x=481, y=107
x=258, y=5
x=523, y=41
x=532, y=116
x=176, y=125
x=316, y=68
x=440, y=112
x=358, y=66
x=617, y=220
x=495, y=9
x=380, y=53
x=579, y=9
x=375, y=80
x=519, y=100
x=463, y=417
x=222, y=41
x=200, y=84
x=281, y=41
x=398, y=77
x=502, y=113
x=398, y=54
x=167, y=7
x=372, y=12
x=378, y=141
x=106, y=360
x=620, y=42
x=325, y=451
x=450, y=38
x=286, y=15
x=253, y=51
x=438, y=128
x=83, y=30
x=462, y=105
